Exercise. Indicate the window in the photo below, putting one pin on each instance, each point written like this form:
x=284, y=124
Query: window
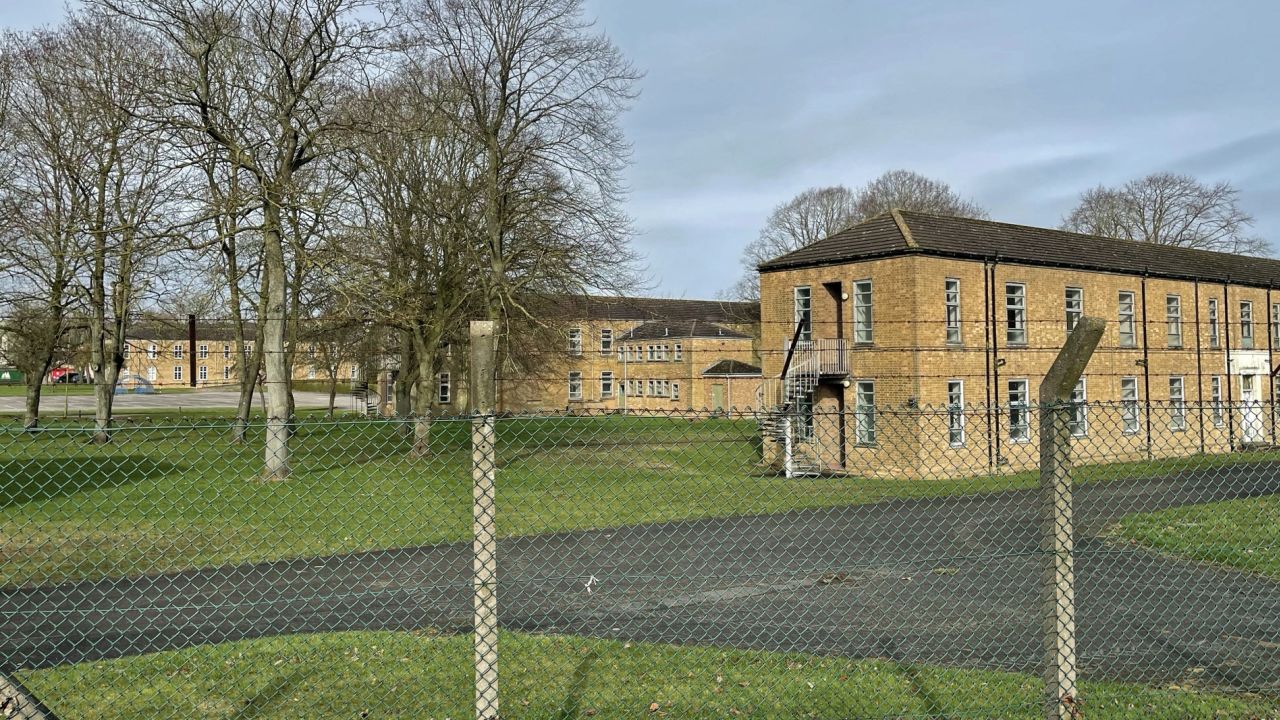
x=124, y=350
x=662, y=352
x=675, y=390
x=1246, y=325
x=444, y=388
x=1177, y=405
x=1173, y=317
x=151, y=374
x=355, y=372
x=152, y=352
x=204, y=352
x=679, y=352
x=177, y=372
x=952, y=292
x=652, y=389
x=1275, y=325
x=865, y=409
x=226, y=372
x=803, y=299
x=1129, y=405
x=1215, y=400
x=1019, y=423
x=606, y=341
x=1079, y=420
x=1128, y=334
x=862, y=312
x=311, y=350
x=606, y=384
x=1215, y=332
x=226, y=351
x=804, y=406
x=203, y=373
x=1015, y=313
x=575, y=385
x=955, y=412
x=1074, y=303
x=653, y=353
x=575, y=341
x=311, y=373
x=178, y=350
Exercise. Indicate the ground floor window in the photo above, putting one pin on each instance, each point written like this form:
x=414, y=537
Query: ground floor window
x=606, y=384
x=1177, y=405
x=675, y=390
x=1019, y=424
x=204, y=373
x=804, y=420
x=226, y=372
x=1215, y=401
x=177, y=372
x=444, y=388
x=575, y=385
x=1129, y=404
x=955, y=412
x=1079, y=420
x=865, y=407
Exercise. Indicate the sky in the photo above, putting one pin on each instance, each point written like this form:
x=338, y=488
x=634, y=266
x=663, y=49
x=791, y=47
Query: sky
x=1020, y=106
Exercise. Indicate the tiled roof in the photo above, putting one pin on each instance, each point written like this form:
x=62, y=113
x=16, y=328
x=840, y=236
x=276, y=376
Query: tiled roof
x=681, y=329
x=604, y=307
x=883, y=236
x=732, y=367
x=177, y=330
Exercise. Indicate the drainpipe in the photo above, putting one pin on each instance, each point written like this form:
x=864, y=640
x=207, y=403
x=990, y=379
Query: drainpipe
x=987, y=330
x=1226, y=339
x=1199, y=369
x=993, y=421
x=1146, y=364
x=1271, y=376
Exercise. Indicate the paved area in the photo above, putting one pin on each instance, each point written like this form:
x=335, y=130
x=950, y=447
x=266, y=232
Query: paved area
x=52, y=401
x=950, y=581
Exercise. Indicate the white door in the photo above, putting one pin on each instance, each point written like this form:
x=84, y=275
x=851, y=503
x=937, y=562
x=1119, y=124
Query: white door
x=1250, y=410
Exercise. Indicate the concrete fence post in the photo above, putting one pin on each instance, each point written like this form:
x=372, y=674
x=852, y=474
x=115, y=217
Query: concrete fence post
x=484, y=544
x=1057, y=536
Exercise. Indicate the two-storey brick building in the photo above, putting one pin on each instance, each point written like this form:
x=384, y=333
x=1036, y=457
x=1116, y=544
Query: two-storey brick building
x=921, y=341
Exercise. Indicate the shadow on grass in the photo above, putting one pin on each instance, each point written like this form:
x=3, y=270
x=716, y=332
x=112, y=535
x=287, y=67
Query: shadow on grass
x=26, y=480
x=572, y=706
x=266, y=699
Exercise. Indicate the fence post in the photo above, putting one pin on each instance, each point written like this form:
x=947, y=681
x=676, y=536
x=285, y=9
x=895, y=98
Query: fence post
x=1057, y=538
x=484, y=544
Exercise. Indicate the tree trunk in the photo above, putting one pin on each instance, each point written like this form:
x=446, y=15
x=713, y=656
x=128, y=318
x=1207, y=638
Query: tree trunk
x=250, y=366
x=333, y=393
x=31, y=417
x=276, y=453
x=422, y=403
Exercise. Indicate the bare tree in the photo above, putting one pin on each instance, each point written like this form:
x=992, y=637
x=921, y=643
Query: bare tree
x=540, y=93
x=907, y=190
x=263, y=79
x=1168, y=209
x=808, y=217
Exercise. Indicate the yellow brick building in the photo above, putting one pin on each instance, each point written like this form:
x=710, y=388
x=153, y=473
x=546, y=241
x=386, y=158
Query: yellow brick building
x=921, y=342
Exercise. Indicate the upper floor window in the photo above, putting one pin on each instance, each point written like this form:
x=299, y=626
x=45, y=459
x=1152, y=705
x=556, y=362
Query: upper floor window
x=1015, y=312
x=952, y=292
x=862, y=311
x=204, y=352
x=1246, y=325
x=1215, y=325
x=1127, y=326
x=575, y=341
x=1073, y=301
x=606, y=341
x=803, y=299
x=1275, y=325
x=226, y=351
x=152, y=351
x=1173, y=318
x=178, y=350
x=678, y=352
x=444, y=388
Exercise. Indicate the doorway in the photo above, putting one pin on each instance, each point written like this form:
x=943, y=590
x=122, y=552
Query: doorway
x=1251, y=429
x=717, y=397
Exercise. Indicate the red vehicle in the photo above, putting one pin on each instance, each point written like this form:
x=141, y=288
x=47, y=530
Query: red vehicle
x=64, y=375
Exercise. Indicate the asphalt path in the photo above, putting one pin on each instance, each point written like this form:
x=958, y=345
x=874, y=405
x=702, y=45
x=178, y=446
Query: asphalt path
x=53, y=401
x=952, y=581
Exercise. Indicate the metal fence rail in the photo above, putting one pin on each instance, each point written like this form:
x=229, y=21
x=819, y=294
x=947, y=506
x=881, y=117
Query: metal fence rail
x=646, y=564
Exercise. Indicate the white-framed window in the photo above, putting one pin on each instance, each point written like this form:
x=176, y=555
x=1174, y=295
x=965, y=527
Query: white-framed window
x=1177, y=404
x=178, y=350
x=865, y=412
x=1215, y=325
x=1019, y=420
x=226, y=351
x=1275, y=325
x=606, y=384
x=226, y=372
x=1129, y=405
x=311, y=350
x=1173, y=319
x=804, y=407
x=203, y=373
x=311, y=373
x=1015, y=313
x=1246, y=324
x=675, y=390
x=203, y=352
x=663, y=352
x=1073, y=302
x=1127, y=324
x=955, y=413
x=151, y=374
x=152, y=351
x=575, y=385
x=651, y=389
x=177, y=372
x=951, y=290
x=653, y=352
x=802, y=299
x=1215, y=401
x=678, y=352
x=1079, y=419
x=444, y=388
x=124, y=349
x=862, y=327
x=355, y=373
x=606, y=341
x=575, y=341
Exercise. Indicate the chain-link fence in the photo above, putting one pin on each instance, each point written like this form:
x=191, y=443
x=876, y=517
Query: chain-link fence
x=650, y=564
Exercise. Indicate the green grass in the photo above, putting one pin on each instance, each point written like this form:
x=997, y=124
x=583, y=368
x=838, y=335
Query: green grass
x=172, y=493
x=1243, y=534
x=422, y=675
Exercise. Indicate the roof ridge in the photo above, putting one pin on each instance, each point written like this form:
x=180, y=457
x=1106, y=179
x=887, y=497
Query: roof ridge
x=905, y=229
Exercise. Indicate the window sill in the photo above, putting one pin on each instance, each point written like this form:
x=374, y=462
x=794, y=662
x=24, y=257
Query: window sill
x=1019, y=441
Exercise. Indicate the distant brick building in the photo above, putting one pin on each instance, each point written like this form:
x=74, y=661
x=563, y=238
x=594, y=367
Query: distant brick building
x=923, y=340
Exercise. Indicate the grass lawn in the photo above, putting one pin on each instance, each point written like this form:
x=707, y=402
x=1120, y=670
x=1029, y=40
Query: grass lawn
x=421, y=675
x=1243, y=534
x=174, y=493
